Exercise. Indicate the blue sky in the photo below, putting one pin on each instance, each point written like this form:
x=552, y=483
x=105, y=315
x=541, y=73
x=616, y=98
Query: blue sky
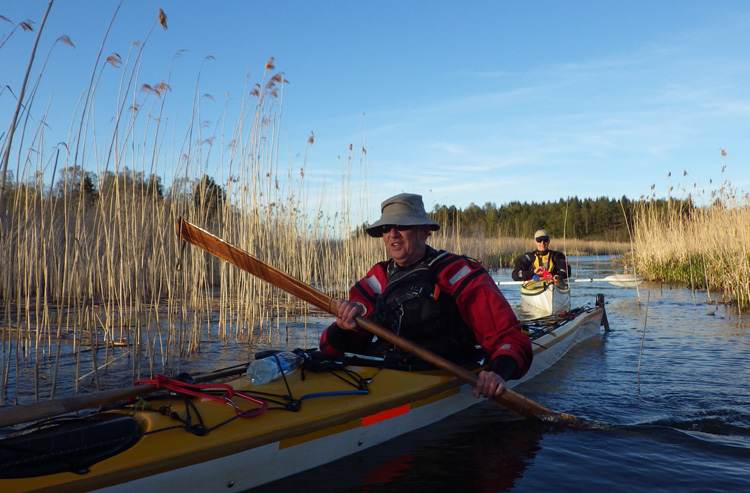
x=459, y=101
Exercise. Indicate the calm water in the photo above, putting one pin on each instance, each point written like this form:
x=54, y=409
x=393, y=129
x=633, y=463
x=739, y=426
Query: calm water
x=680, y=424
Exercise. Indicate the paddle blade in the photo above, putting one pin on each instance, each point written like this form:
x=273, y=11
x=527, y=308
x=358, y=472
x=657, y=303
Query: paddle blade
x=624, y=280
x=225, y=251
x=621, y=280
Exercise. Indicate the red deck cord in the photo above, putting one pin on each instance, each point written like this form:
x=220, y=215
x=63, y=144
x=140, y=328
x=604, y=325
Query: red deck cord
x=194, y=389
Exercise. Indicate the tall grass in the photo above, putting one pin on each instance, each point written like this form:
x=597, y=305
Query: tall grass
x=704, y=247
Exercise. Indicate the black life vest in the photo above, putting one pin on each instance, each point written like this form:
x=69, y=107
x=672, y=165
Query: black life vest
x=413, y=306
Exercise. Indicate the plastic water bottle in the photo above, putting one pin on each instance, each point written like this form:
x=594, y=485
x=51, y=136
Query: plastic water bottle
x=262, y=371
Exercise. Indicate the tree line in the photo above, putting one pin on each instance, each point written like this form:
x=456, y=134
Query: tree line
x=599, y=219
x=76, y=185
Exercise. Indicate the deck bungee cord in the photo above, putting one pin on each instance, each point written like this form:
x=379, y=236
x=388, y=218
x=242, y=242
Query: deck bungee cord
x=203, y=391
x=316, y=362
x=538, y=327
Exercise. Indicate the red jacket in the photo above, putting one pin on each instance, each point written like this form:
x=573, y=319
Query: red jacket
x=480, y=303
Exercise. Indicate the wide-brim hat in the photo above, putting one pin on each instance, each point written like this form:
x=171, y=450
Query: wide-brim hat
x=404, y=209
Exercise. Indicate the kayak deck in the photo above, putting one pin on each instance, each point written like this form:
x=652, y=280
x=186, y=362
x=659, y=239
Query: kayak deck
x=164, y=443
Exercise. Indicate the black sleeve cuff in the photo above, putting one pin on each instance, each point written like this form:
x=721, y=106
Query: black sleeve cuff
x=505, y=366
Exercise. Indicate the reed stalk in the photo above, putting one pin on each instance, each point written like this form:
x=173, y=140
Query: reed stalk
x=14, y=120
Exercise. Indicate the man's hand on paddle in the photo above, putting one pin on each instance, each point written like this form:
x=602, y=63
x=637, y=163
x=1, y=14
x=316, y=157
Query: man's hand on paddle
x=348, y=311
x=489, y=385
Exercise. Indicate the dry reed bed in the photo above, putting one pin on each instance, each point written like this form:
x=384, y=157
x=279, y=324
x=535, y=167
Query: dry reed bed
x=704, y=248
x=82, y=273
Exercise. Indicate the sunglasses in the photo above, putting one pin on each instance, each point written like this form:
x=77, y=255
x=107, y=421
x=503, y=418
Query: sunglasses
x=542, y=240
x=386, y=228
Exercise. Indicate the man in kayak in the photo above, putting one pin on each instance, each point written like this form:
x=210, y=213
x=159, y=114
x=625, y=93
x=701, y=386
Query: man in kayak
x=542, y=263
x=446, y=303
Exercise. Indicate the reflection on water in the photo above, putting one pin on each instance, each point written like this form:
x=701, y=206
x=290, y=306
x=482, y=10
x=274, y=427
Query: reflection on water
x=71, y=369
x=429, y=458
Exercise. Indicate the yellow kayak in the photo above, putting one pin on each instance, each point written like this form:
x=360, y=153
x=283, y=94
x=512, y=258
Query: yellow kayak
x=215, y=436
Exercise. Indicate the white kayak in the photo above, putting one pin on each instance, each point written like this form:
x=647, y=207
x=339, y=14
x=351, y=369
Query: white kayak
x=544, y=298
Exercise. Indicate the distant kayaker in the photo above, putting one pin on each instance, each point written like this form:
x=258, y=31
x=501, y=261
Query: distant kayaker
x=444, y=302
x=542, y=263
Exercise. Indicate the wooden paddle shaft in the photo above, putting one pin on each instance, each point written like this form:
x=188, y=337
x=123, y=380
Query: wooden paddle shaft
x=218, y=247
